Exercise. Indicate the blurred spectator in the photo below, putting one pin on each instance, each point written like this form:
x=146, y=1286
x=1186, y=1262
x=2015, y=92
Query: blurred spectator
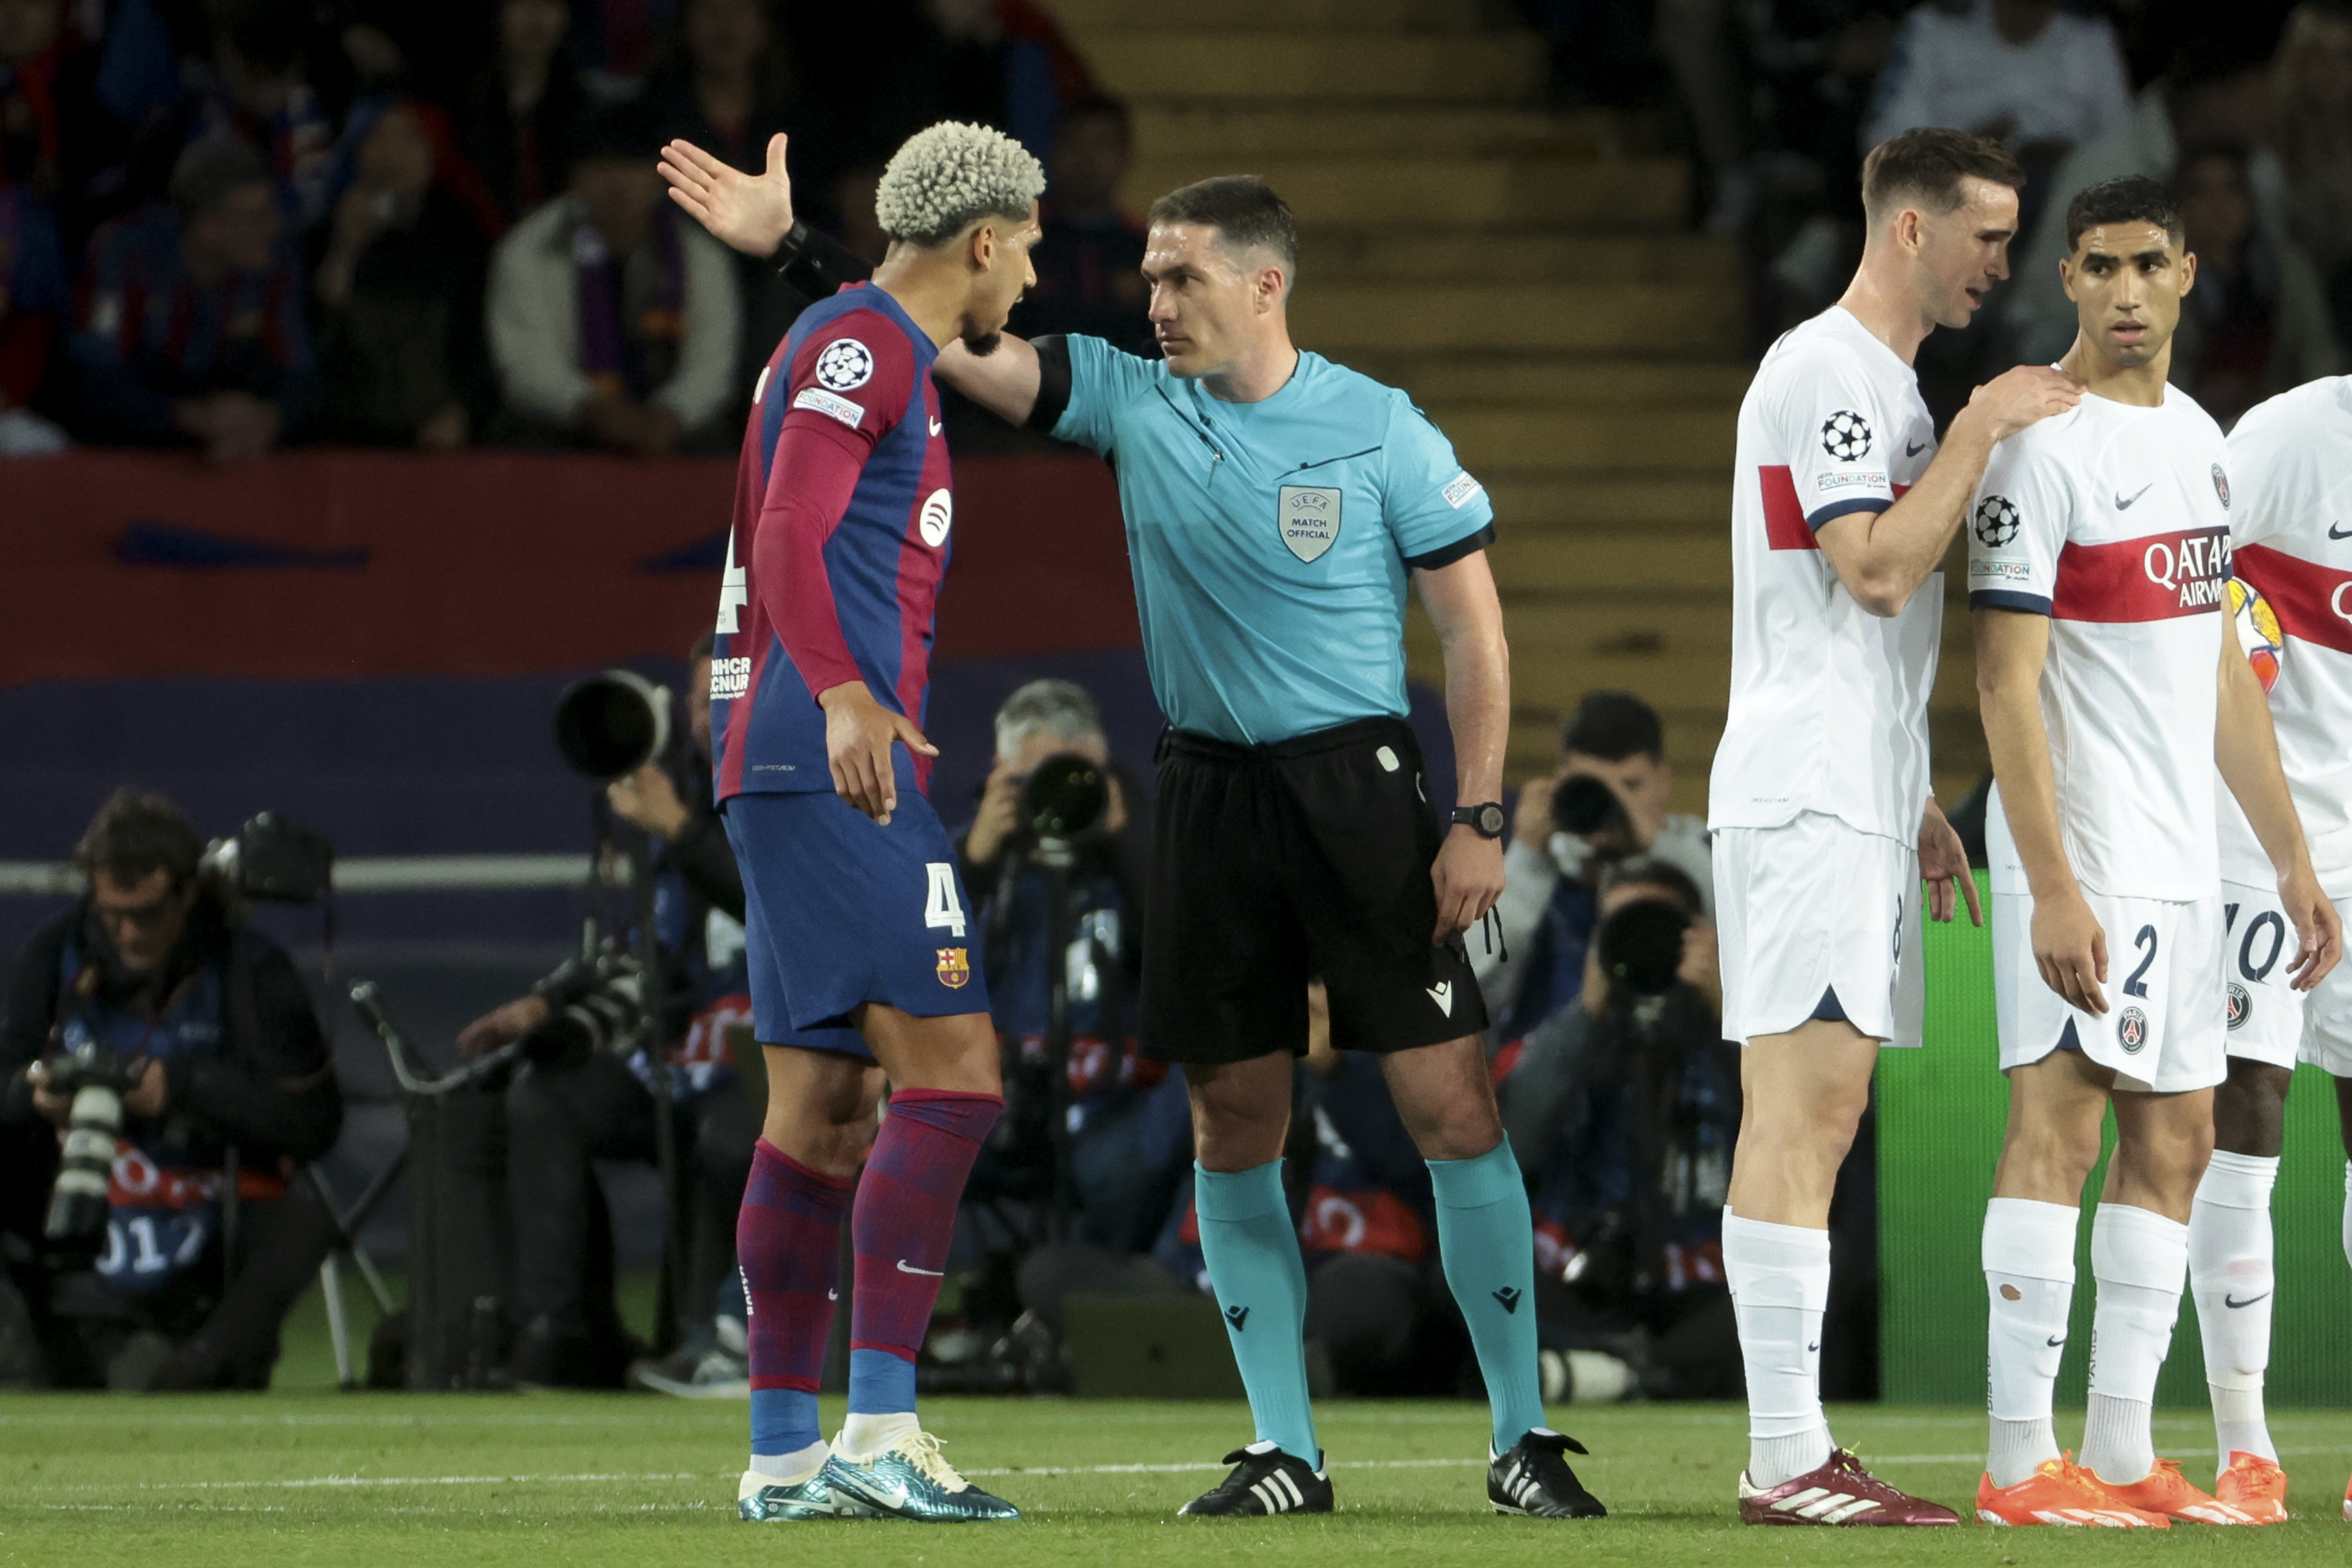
x=257, y=91
x=33, y=306
x=2210, y=94
x=619, y=41
x=44, y=79
x=612, y=319
x=575, y=1102
x=1090, y=264
x=1124, y=1143
x=993, y=62
x=1624, y=1111
x=522, y=113
x=2024, y=72
x=183, y=1284
x=1612, y=780
x=2257, y=321
x=191, y=326
x=729, y=87
x=401, y=357
x=2312, y=93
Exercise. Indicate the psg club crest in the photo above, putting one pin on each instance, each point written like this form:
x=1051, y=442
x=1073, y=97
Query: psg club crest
x=1996, y=521
x=1308, y=519
x=1845, y=435
x=2241, y=1005
x=954, y=968
x=2131, y=1030
x=2221, y=485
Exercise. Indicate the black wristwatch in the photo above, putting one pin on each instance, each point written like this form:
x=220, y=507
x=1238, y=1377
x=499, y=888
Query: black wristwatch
x=1485, y=821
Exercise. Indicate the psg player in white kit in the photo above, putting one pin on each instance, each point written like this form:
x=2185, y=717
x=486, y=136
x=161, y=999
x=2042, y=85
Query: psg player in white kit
x=1818, y=801
x=2290, y=465
x=2098, y=578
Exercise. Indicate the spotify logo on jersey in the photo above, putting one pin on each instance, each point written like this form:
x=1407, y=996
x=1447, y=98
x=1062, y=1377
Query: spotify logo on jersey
x=937, y=514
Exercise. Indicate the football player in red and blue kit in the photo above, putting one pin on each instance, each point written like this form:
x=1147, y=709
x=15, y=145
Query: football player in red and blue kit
x=862, y=955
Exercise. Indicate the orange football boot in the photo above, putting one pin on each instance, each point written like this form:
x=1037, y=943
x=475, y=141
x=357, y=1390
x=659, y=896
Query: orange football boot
x=2165, y=1491
x=2059, y=1491
x=2255, y=1487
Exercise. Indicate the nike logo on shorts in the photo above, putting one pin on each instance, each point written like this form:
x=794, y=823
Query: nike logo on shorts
x=906, y=1268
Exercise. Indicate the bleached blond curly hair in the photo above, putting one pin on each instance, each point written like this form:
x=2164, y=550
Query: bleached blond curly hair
x=949, y=175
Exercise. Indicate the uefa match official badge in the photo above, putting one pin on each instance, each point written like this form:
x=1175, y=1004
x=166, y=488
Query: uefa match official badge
x=954, y=968
x=1308, y=519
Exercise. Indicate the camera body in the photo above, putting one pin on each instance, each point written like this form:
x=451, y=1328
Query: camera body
x=97, y=1078
x=271, y=860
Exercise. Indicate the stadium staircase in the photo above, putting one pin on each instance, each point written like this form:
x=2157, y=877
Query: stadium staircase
x=1534, y=280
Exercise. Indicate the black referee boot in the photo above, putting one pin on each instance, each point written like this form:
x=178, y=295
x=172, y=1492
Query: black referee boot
x=1265, y=1480
x=1534, y=1480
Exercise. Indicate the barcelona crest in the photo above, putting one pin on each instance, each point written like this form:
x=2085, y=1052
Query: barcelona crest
x=954, y=968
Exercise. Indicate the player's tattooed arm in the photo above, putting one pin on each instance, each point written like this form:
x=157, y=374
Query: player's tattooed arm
x=1883, y=556
x=2069, y=947
x=2245, y=747
x=1468, y=615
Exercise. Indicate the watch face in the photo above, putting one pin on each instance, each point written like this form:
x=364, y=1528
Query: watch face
x=1490, y=820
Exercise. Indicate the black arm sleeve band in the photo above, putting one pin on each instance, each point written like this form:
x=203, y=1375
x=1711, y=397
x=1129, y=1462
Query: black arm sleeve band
x=816, y=263
x=1052, y=383
x=1446, y=555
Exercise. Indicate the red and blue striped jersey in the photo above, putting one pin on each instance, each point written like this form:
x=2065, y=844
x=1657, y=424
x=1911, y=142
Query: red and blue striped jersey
x=843, y=503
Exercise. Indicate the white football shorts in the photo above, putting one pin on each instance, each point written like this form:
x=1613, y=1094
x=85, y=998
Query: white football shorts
x=1815, y=910
x=2166, y=1021
x=2265, y=1011
x=2328, y=1020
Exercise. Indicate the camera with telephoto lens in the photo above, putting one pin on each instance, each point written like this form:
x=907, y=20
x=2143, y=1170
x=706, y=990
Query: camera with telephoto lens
x=595, y=1006
x=271, y=860
x=1066, y=795
x=614, y=723
x=96, y=1078
x=1641, y=945
x=1586, y=807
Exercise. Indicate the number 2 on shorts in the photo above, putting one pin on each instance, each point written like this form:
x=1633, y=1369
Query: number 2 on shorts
x=2136, y=985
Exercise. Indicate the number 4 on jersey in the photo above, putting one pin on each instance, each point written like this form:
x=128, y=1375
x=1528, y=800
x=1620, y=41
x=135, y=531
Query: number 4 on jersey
x=941, y=906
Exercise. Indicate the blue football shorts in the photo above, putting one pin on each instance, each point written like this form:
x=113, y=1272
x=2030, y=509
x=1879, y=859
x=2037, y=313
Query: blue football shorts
x=840, y=910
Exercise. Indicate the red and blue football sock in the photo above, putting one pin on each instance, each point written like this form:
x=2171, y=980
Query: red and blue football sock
x=788, y=1244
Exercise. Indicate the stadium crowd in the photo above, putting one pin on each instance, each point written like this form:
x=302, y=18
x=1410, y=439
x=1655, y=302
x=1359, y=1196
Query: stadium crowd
x=232, y=225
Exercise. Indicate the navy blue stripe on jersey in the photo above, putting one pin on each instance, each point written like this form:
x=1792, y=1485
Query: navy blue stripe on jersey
x=2008, y=599
x=1840, y=508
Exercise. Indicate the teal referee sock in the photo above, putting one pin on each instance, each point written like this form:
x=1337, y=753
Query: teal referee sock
x=1252, y=1251
x=1487, y=1239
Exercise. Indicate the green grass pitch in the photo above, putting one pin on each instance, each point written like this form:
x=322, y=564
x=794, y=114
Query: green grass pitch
x=583, y=1481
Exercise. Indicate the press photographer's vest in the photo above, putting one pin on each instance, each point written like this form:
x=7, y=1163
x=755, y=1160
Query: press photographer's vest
x=165, y=1196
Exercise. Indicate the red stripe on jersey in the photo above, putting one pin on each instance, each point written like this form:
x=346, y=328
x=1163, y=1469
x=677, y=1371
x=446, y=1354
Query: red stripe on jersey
x=2156, y=577
x=2313, y=602
x=1784, y=516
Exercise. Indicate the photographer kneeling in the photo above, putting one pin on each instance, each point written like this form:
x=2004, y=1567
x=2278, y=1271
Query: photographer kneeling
x=1624, y=1109
x=585, y=1091
x=1604, y=801
x=178, y=1051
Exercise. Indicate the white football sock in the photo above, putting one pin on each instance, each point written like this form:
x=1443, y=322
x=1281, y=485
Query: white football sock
x=2140, y=1260
x=2029, y=1269
x=2231, y=1275
x=1779, y=1279
x=863, y=1436
x=796, y=1466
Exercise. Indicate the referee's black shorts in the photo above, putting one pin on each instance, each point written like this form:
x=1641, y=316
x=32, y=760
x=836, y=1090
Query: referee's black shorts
x=1273, y=865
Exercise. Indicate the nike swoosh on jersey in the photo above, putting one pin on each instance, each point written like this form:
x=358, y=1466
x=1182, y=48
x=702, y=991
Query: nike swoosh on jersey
x=906, y=1268
x=2124, y=506
x=1911, y=451
x=937, y=427
x=2338, y=532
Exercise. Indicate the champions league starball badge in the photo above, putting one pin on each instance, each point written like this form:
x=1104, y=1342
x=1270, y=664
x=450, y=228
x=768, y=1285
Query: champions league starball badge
x=1996, y=521
x=2131, y=1030
x=1845, y=435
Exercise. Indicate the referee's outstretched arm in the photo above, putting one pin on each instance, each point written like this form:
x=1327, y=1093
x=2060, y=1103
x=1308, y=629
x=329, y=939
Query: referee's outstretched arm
x=1461, y=600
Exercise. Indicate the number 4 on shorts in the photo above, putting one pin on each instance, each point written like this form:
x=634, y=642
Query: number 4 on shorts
x=941, y=906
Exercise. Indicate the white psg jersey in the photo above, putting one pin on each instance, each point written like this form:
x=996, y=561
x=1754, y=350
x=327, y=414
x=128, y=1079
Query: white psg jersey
x=1829, y=702
x=2291, y=460
x=2115, y=522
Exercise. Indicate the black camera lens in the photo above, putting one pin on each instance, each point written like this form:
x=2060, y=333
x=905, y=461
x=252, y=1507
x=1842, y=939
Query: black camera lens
x=1066, y=795
x=612, y=724
x=1642, y=945
x=1583, y=805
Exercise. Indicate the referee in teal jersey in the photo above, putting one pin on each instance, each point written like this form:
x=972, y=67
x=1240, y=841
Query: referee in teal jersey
x=1278, y=507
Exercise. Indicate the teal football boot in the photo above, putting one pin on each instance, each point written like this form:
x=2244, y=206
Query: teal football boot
x=910, y=1479
x=763, y=1499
